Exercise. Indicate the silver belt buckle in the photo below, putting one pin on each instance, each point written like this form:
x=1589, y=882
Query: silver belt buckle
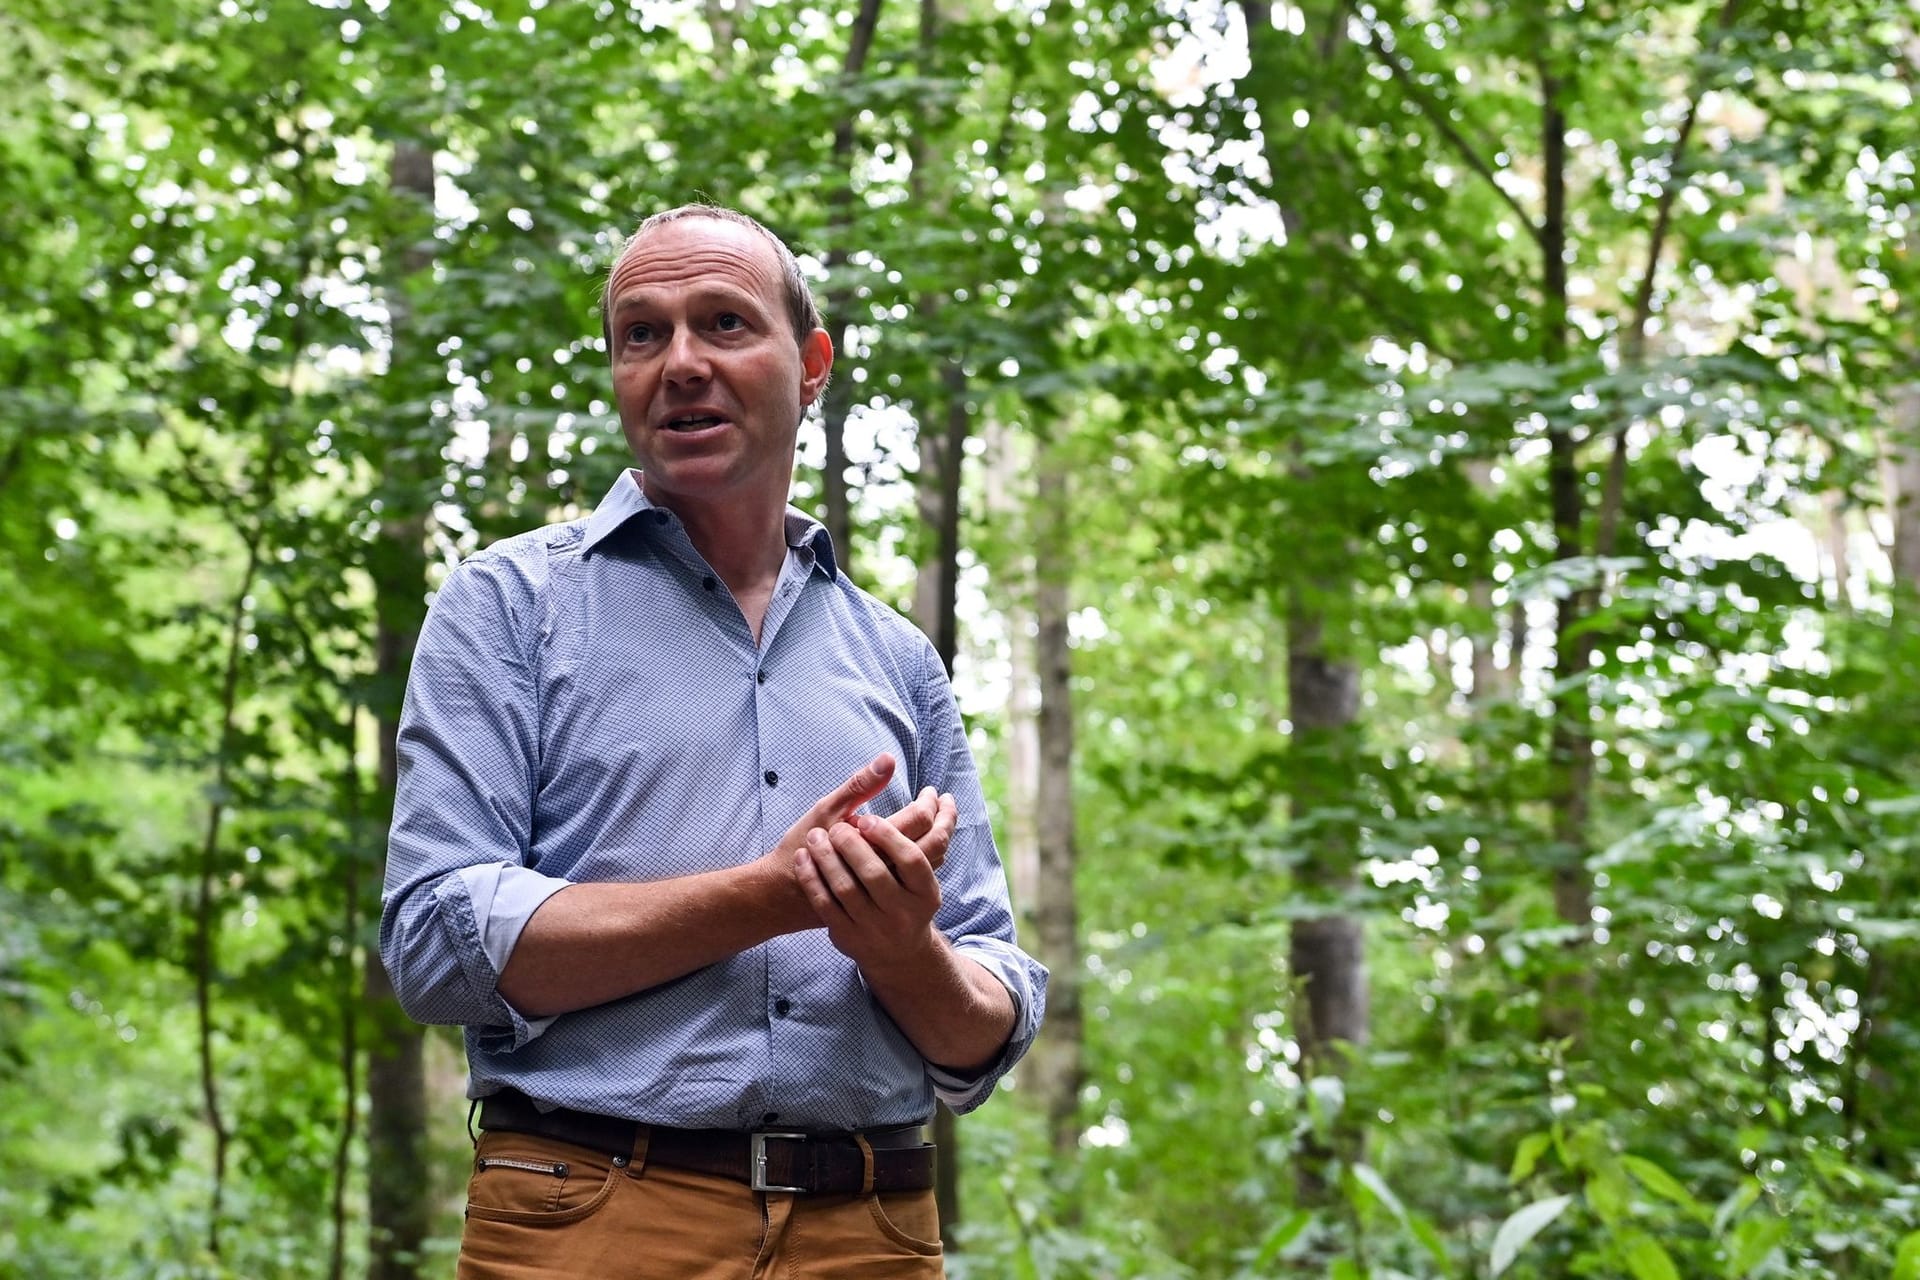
x=757, y=1159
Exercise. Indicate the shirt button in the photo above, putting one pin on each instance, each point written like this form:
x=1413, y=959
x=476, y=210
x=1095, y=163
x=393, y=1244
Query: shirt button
x=708, y=582
x=659, y=516
x=772, y=778
x=780, y=1008
x=770, y=1117
x=761, y=676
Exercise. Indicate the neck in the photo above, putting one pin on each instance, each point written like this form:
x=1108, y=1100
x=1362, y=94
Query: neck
x=744, y=541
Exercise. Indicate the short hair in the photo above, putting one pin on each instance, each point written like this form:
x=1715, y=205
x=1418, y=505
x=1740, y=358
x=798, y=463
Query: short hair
x=802, y=311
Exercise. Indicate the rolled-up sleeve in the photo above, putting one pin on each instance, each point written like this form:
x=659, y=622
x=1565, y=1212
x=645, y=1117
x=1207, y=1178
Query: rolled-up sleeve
x=458, y=889
x=976, y=914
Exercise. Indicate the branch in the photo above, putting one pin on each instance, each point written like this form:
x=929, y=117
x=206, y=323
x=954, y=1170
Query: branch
x=349, y=1002
x=203, y=922
x=1663, y=207
x=858, y=44
x=256, y=523
x=1613, y=493
x=1448, y=130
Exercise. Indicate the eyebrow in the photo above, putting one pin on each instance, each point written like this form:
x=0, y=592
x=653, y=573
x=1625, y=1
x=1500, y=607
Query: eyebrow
x=699, y=294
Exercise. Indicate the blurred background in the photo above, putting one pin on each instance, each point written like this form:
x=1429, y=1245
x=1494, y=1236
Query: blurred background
x=1416, y=496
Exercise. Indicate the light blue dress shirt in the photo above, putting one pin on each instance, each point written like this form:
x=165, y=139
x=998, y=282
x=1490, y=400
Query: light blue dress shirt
x=588, y=704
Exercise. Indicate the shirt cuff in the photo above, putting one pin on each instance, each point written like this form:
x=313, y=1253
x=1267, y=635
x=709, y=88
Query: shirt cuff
x=963, y=1091
x=503, y=898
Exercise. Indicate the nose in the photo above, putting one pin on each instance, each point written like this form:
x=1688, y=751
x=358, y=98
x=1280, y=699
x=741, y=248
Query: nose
x=686, y=358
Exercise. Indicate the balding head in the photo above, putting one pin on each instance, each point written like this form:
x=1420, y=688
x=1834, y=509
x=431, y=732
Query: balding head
x=802, y=311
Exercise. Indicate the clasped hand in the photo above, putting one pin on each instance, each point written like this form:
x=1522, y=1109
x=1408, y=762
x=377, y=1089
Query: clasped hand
x=871, y=880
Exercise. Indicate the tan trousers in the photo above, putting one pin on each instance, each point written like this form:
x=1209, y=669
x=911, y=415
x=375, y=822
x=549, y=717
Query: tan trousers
x=538, y=1209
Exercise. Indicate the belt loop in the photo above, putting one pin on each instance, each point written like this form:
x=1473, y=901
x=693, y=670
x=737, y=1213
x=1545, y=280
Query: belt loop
x=473, y=1105
x=637, y=1162
x=866, y=1164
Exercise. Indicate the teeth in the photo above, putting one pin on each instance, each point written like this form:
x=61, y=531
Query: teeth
x=681, y=424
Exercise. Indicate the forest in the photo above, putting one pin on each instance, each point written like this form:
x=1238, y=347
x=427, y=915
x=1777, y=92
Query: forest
x=1417, y=499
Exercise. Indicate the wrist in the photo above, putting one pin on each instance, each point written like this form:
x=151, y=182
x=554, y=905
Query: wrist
x=773, y=888
x=918, y=957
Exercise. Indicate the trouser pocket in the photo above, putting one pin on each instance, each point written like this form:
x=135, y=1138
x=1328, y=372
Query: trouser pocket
x=524, y=1178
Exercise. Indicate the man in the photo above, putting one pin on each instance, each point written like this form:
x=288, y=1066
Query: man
x=709, y=996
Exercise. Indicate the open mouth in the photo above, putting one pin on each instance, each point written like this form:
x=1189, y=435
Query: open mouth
x=693, y=422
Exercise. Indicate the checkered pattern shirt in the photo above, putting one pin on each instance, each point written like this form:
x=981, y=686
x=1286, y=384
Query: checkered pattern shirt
x=588, y=704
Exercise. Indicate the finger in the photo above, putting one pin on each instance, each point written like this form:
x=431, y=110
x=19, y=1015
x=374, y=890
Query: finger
x=825, y=907
x=909, y=865
x=874, y=872
x=940, y=836
x=834, y=872
x=916, y=819
x=861, y=786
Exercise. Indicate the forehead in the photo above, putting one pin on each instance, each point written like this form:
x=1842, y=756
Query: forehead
x=696, y=253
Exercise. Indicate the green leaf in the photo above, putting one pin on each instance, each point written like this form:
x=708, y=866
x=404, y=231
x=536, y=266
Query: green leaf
x=1735, y=1205
x=1430, y=1239
x=1906, y=1263
x=1523, y=1226
x=1609, y=1194
x=1753, y=1240
x=1281, y=1236
x=1528, y=1154
x=1345, y=1269
x=1663, y=1184
x=1369, y=1177
x=1648, y=1261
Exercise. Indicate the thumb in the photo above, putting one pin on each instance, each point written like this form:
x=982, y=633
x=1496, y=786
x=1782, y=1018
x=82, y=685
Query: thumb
x=863, y=785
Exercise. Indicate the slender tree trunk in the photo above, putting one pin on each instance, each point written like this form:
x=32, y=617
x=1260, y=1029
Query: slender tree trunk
x=938, y=501
x=1326, y=949
x=1570, y=746
x=351, y=987
x=1057, y=1069
x=205, y=912
x=1005, y=505
x=1885, y=1096
x=1833, y=506
x=942, y=453
x=1571, y=750
x=837, y=503
x=1491, y=679
x=399, y=1188
x=721, y=23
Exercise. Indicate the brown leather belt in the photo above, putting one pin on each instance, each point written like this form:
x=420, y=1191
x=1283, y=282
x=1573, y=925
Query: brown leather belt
x=770, y=1160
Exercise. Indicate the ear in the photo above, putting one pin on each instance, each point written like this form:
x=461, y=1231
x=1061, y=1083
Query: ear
x=816, y=364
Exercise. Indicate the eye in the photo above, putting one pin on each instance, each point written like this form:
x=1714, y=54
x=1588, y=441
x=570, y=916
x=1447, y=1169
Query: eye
x=639, y=332
x=728, y=322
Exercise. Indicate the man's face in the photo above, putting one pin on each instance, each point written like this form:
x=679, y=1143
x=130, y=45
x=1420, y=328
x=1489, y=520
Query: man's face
x=707, y=375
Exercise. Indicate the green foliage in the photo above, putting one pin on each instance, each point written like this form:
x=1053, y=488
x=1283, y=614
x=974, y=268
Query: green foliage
x=1285, y=305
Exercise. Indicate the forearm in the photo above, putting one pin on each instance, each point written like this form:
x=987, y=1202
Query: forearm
x=600, y=941
x=951, y=1009
x=591, y=943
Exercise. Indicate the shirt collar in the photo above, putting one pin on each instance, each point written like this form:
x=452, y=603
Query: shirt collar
x=627, y=500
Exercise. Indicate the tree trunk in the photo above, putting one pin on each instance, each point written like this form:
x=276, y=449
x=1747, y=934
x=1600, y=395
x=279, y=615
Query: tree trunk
x=1492, y=680
x=1056, y=1068
x=1570, y=743
x=836, y=502
x=399, y=1190
x=1005, y=506
x=1326, y=951
x=1885, y=1089
x=1833, y=504
x=938, y=500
